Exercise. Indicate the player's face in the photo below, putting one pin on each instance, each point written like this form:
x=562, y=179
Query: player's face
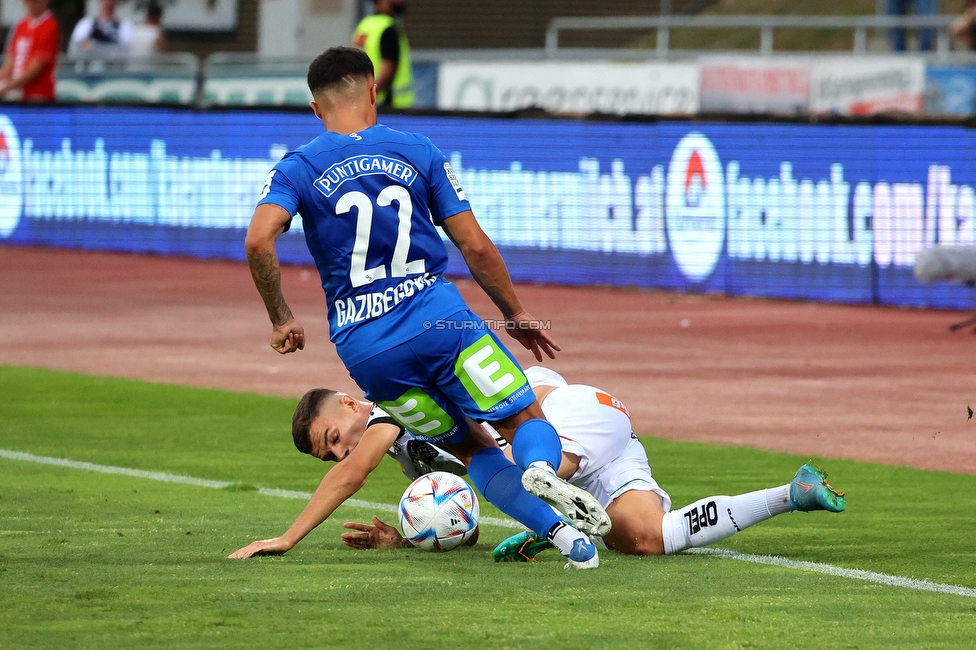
x=337, y=429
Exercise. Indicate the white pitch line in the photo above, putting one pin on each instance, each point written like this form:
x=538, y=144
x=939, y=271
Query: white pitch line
x=166, y=477
x=108, y=469
x=799, y=565
x=831, y=570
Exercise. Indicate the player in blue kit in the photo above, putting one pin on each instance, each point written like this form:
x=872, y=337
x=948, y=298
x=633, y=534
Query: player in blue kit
x=371, y=199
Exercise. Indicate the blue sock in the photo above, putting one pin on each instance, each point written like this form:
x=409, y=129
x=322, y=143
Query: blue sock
x=536, y=440
x=501, y=483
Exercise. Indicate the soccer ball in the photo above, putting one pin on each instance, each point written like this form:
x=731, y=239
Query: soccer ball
x=439, y=512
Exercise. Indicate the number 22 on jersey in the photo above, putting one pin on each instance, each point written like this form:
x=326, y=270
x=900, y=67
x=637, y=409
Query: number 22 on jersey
x=359, y=275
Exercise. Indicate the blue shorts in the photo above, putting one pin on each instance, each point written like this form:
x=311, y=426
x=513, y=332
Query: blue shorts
x=455, y=369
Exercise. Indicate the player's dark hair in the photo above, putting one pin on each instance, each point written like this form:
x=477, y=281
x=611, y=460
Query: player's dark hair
x=307, y=410
x=337, y=65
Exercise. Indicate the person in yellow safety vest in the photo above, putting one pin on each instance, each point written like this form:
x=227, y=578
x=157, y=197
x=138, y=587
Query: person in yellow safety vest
x=386, y=45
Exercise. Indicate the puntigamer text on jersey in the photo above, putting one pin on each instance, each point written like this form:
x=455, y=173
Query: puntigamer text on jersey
x=357, y=166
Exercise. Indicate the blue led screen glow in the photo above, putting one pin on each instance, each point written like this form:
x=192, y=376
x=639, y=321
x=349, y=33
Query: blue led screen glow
x=833, y=213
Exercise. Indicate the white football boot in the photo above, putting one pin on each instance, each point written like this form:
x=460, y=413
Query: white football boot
x=576, y=504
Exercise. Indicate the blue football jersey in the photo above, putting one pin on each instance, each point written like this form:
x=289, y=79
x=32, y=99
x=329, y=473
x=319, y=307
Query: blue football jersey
x=369, y=202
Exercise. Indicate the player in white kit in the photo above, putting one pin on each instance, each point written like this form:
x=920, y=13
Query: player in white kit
x=602, y=455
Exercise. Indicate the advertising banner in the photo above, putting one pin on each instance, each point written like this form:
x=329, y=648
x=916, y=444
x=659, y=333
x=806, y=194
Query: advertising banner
x=828, y=213
x=950, y=90
x=867, y=85
x=741, y=84
x=126, y=87
x=257, y=90
x=564, y=86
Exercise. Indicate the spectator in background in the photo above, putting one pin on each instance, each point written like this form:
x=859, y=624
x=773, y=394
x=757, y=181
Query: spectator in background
x=32, y=54
x=148, y=38
x=386, y=46
x=964, y=27
x=101, y=34
x=926, y=37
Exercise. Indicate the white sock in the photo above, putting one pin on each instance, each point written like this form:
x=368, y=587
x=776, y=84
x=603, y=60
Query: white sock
x=563, y=536
x=715, y=518
x=543, y=465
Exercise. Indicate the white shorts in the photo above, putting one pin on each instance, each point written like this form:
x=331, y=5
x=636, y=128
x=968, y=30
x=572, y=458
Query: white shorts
x=629, y=471
x=596, y=427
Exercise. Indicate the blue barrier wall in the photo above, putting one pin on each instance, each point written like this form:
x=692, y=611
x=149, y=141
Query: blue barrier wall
x=830, y=213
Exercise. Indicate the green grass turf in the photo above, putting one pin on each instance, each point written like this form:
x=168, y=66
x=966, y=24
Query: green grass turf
x=95, y=560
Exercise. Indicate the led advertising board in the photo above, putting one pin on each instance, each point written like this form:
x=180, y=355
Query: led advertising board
x=831, y=213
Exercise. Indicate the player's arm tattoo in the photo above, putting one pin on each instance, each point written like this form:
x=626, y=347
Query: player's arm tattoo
x=267, y=278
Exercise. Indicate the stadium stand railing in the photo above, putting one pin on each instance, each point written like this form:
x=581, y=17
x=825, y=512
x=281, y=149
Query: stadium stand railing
x=765, y=24
x=246, y=79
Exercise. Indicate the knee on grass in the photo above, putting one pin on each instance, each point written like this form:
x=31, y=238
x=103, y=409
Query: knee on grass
x=635, y=543
x=636, y=517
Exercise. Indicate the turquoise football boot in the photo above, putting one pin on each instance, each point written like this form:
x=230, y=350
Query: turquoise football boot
x=522, y=547
x=809, y=490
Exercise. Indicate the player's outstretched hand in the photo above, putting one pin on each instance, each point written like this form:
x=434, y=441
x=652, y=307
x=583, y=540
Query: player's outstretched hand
x=273, y=546
x=379, y=535
x=288, y=337
x=530, y=333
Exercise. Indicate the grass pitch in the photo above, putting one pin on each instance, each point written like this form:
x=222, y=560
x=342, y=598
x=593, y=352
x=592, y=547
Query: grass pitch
x=96, y=560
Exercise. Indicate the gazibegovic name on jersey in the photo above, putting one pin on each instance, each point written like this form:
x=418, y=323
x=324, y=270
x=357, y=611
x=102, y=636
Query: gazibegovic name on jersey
x=370, y=305
x=369, y=202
